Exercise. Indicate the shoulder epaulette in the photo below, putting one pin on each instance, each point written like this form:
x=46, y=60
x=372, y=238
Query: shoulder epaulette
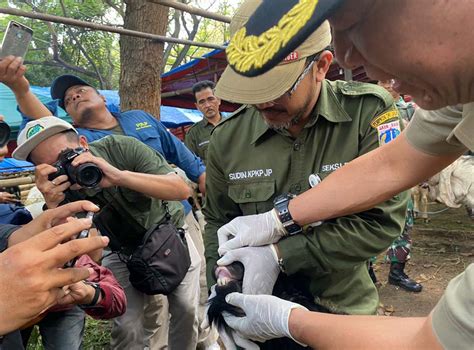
x=355, y=88
x=234, y=114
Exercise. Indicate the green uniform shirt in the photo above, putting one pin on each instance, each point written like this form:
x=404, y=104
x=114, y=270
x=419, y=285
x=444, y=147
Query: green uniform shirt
x=444, y=131
x=197, y=138
x=127, y=153
x=249, y=164
x=453, y=316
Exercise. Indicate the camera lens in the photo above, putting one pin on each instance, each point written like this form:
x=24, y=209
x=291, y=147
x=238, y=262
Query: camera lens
x=86, y=175
x=4, y=133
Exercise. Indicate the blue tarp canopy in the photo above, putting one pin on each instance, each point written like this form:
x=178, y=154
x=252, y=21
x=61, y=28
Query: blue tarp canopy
x=172, y=117
x=11, y=165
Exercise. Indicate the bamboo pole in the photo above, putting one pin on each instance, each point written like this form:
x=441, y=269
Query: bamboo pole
x=176, y=92
x=105, y=28
x=192, y=10
x=26, y=187
x=17, y=181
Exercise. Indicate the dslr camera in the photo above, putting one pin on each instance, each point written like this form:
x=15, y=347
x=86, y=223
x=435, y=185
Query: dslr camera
x=86, y=175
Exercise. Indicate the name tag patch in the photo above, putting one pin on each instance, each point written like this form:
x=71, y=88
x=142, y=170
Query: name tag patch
x=388, y=132
x=249, y=174
x=331, y=167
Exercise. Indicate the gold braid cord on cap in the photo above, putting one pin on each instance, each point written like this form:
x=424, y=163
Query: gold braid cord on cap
x=247, y=52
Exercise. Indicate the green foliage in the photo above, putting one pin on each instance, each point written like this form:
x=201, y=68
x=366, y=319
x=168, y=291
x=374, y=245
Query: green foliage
x=96, y=336
x=95, y=56
x=58, y=49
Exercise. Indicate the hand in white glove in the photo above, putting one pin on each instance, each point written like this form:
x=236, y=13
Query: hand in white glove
x=250, y=231
x=266, y=317
x=261, y=268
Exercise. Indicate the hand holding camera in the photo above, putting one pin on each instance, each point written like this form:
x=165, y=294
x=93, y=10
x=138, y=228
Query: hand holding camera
x=52, y=190
x=84, y=174
x=92, y=165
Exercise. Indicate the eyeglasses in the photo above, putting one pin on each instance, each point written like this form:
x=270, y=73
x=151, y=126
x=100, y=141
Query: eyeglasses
x=298, y=81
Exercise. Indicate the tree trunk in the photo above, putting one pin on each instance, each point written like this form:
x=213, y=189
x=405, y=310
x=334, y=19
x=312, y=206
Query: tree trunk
x=141, y=59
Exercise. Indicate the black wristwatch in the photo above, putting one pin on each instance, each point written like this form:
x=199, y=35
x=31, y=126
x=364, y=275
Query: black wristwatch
x=280, y=203
x=95, y=299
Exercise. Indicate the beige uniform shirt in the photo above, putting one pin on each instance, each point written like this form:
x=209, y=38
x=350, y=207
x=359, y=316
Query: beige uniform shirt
x=444, y=131
x=453, y=316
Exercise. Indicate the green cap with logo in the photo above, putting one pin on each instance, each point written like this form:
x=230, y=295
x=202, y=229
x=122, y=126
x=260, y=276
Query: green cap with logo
x=36, y=131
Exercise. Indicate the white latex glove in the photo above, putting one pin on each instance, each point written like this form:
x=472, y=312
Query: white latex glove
x=266, y=317
x=250, y=231
x=261, y=268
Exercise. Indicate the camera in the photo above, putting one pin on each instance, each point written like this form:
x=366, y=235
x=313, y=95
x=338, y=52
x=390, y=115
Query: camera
x=86, y=175
x=4, y=133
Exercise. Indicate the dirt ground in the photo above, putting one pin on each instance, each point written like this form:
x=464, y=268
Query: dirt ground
x=442, y=249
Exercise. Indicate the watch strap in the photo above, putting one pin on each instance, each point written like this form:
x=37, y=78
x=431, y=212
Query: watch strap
x=280, y=204
x=95, y=299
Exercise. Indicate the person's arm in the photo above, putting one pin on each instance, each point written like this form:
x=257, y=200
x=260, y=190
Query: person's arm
x=326, y=331
x=12, y=74
x=112, y=301
x=268, y=317
x=368, y=180
x=147, y=172
x=340, y=243
x=178, y=154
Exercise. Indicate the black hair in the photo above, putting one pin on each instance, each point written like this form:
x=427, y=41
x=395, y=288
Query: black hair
x=71, y=135
x=201, y=85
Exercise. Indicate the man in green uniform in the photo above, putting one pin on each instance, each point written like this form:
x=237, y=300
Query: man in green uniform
x=369, y=33
x=197, y=137
x=299, y=128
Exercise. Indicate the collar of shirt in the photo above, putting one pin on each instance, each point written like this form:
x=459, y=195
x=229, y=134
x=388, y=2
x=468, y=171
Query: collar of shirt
x=327, y=106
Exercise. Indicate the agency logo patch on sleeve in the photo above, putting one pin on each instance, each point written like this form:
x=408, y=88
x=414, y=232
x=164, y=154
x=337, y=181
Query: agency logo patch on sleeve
x=388, y=132
x=389, y=115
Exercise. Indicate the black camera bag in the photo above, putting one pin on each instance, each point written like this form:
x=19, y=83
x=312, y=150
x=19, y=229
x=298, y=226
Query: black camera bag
x=157, y=259
x=161, y=262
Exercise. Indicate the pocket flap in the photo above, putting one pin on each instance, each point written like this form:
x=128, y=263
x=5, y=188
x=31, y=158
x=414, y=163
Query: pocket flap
x=252, y=192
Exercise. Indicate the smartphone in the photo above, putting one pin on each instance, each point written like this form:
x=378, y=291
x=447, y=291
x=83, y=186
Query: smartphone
x=82, y=234
x=16, y=40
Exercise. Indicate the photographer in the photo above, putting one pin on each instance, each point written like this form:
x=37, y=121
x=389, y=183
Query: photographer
x=135, y=181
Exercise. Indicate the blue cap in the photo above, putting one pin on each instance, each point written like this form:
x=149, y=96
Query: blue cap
x=62, y=83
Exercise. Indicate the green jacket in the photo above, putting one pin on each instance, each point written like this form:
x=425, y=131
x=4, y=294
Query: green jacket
x=249, y=164
x=197, y=138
